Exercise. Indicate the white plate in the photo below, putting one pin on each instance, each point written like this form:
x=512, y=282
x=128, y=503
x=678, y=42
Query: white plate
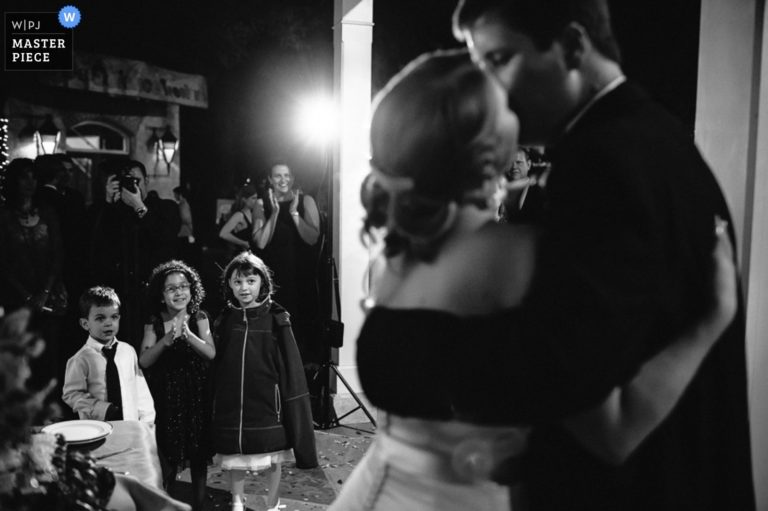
x=80, y=431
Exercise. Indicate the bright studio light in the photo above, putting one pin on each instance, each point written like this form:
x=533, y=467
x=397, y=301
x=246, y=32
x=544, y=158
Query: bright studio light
x=317, y=120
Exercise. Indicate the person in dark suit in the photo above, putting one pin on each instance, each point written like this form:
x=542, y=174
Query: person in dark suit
x=131, y=233
x=623, y=256
x=46, y=168
x=53, y=172
x=527, y=205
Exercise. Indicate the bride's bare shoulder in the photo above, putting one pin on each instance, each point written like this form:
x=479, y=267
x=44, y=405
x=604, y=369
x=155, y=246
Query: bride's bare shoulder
x=502, y=240
x=498, y=261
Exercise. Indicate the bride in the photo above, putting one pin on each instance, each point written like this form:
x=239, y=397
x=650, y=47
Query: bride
x=441, y=139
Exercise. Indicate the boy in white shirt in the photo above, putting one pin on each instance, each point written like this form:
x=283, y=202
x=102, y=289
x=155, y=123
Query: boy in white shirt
x=95, y=386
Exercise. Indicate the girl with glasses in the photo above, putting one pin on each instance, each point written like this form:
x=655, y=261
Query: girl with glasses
x=176, y=350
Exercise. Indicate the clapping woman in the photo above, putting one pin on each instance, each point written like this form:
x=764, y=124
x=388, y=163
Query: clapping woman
x=286, y=226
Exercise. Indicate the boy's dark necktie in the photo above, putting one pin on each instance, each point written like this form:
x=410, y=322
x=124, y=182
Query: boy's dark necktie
x=114, y=395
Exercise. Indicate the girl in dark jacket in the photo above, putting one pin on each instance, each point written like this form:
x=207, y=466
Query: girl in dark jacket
x=261, y=404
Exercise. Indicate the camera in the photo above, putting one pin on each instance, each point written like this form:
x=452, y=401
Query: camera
x=128, y=181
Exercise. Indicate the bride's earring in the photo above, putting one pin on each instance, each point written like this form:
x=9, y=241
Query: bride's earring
x=368, y=302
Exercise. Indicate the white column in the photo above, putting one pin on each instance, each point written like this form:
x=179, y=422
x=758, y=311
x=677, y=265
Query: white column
x=353, y=33
x=732, y=133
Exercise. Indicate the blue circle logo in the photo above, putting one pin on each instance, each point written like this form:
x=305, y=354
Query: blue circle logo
x=69, y=16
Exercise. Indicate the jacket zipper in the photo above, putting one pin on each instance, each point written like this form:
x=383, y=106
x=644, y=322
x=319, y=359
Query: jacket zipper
x=242, y=383
x=278, y=404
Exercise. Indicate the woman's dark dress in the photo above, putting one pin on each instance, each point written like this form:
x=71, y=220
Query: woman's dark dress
x=30, y=255
x=180, y=387
x=244, y=233
x=294, y=265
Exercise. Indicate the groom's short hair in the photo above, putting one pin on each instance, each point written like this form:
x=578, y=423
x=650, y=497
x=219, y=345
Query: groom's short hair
x=544, y=20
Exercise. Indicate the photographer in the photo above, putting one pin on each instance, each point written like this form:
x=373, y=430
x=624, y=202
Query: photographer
x=130, y=234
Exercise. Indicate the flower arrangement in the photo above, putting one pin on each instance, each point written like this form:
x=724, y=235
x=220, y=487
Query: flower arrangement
x=37, y=471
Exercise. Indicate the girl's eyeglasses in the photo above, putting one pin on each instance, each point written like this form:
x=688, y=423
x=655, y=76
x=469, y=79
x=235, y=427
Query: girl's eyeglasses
x=170, y=290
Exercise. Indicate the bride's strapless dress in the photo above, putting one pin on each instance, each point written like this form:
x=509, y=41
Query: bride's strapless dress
x=425, y=465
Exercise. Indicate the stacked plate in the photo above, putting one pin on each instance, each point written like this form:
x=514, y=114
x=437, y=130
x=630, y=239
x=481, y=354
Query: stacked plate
x=80, y=431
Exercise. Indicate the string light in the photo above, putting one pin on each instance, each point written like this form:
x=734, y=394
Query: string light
x=4, y=153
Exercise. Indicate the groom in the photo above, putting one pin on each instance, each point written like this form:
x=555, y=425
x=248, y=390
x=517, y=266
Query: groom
x=623, y=262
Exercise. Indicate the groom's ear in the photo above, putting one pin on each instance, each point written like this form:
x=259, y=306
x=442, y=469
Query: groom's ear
x=575, y=43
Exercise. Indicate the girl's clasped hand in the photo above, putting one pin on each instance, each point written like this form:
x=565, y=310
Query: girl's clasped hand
x=179, y=330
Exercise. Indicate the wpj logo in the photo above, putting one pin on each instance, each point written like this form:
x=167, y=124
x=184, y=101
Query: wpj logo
x=40, y=41
x=25, y=25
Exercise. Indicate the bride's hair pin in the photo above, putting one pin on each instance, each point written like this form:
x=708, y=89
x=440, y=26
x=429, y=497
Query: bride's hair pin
x=393, y=184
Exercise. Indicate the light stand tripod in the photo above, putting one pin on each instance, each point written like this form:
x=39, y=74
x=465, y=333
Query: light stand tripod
x=333, y=329
x=335, y=421
x=328, y=418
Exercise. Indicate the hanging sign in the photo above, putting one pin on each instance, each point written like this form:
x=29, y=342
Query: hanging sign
x=133, y=78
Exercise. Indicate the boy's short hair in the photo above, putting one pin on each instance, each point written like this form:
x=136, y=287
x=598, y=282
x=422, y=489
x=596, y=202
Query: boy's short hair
x=97, y=296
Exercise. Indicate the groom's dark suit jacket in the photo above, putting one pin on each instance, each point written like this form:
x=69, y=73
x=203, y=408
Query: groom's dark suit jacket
x=624, y=266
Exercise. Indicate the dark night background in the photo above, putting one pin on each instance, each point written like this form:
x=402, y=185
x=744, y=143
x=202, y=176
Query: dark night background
x=259, y=57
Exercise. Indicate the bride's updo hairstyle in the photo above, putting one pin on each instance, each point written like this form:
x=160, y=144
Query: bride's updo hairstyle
x=435, y=143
